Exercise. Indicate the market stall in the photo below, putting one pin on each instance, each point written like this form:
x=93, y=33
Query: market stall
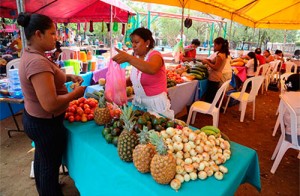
x=97, y=169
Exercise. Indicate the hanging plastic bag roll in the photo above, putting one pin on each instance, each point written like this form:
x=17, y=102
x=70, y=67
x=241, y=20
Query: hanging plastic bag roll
x=115, y=87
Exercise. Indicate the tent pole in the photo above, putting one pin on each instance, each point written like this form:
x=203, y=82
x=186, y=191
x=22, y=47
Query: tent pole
x=21, y=8
x=182, y=15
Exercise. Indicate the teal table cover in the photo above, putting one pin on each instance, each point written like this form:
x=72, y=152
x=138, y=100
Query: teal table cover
x=96, y=169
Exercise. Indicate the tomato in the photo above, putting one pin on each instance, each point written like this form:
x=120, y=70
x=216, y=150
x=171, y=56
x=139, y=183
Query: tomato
x=90, y=116
x=92, y=104
x=86, y=106
x=87, y=110
x=77, y=117
x=71, y=119
x=67, y=115
x=84, y=118
x=72, y=109
x=79, y=111
x=81, y=100
x=81, y=105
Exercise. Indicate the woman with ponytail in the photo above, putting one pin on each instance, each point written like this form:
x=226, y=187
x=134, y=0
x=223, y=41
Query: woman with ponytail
x=251, y=65
x=46, y=99
x=215, y=67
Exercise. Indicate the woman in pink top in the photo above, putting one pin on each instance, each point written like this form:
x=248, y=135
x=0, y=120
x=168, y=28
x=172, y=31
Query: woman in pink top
x=46, y=98
x=148, y=75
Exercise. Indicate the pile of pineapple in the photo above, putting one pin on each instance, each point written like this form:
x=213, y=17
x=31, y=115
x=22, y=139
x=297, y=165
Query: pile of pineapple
x=174, y=155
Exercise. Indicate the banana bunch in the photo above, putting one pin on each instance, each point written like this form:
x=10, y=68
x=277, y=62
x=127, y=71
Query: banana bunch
x=211, y=130
x=96, y=94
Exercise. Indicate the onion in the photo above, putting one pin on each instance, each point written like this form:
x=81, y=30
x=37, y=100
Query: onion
x=193, y=175
x=187, y=147
x=187, y=177
x=164, y=134
x=180, y=177
x=193, y=152
x=188, y=168
x=186, y=155
x=177, y=138
x=192, y=136
x=218, y=175
x=202, y=175
x=201, y=166
x=223, y=169
x=179, y=155
x=199, y=149
x=175, y=184
x=188, y=160
x=209, y=171
x=179, y=169
x=170, y=131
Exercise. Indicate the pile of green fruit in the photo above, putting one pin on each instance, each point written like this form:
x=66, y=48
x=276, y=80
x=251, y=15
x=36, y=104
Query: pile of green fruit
x=112, y=131
x=199, y=71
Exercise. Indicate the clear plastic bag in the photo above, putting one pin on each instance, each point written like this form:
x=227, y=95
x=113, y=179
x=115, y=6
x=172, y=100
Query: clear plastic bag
x=115, y=87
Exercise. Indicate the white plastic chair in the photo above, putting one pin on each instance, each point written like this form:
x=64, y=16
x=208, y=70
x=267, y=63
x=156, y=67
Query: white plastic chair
x=209, y=108
x=288, y=67
x=272, y=73
x=283, y=144
x=283, y=77
x=245, y=97
x=264, y=69
x=13, y=63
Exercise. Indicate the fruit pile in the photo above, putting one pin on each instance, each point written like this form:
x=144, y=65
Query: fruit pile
x=173, y=78
x=112, y=131
x=169, y=150
x=81, y=109
x=199, y=72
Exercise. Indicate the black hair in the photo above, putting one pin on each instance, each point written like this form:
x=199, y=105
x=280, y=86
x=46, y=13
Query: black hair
x=145, y=34
x=268, y=51
x=292, y=83
x=34, y=22
x=278, y=52
x=196, y=42
x=225, y=45
x=257, y=51
x=253, y=56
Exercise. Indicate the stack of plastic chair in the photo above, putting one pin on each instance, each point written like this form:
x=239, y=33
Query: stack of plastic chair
x=243, y=97
x=13, y=64
x=285, y=142
x=273, y=73
x=289, y=65
x=209, y=108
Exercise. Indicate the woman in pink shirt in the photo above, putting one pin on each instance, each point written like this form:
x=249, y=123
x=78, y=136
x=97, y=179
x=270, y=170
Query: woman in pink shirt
x=148, y=74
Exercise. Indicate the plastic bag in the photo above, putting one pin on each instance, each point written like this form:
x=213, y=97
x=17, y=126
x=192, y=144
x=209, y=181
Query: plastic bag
x=115, y=87
x=178, y=51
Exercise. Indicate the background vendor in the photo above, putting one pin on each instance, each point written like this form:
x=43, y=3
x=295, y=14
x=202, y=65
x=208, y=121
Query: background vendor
x=190, y=51
x=148, y=74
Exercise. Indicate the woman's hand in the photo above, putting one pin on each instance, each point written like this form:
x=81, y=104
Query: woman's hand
x=74, y=78
x=121, y=57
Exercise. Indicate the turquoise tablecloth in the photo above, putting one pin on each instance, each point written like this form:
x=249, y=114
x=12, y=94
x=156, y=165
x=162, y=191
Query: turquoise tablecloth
x=97, y=169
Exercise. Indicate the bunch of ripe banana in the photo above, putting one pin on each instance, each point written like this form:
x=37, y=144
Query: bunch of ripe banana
x=212, y=130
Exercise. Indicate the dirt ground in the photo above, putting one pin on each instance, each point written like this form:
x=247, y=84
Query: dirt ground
x=15, y=161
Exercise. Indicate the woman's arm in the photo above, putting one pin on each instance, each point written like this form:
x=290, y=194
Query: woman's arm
x=13, y=46
x=216, y=65
x=45, y=90
x=151, y=67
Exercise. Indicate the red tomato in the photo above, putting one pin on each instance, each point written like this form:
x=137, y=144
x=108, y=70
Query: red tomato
x=81, y=100
x=90, y=116
x=77, y=117
x=84, y=118
x=79, y=111
x=81, y=105
x=92, y=104
x=71, y=119
x=86, y=106
x=72, y=109
x=87, y=110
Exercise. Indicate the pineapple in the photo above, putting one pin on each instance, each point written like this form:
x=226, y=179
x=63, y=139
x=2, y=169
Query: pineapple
x=101, y=113
x=163, y=164
x=128, y=139
x=144, y=152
